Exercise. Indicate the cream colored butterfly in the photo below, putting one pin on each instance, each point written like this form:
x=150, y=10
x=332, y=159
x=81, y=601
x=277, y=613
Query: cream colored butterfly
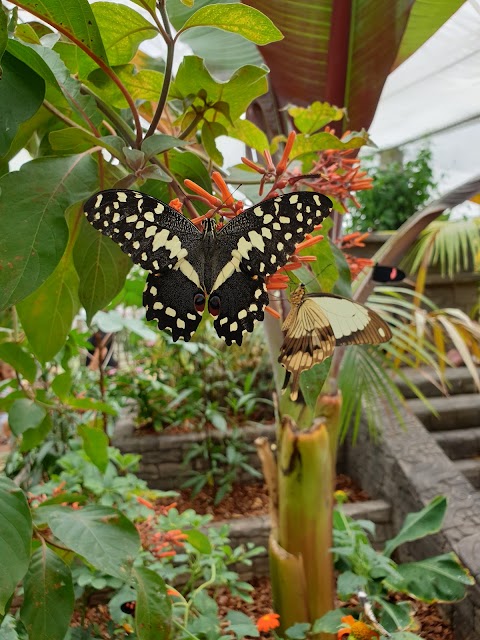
x=316, y=323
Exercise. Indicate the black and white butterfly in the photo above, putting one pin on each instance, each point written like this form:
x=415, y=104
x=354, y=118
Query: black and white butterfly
x=316, y=323
x=190, y=269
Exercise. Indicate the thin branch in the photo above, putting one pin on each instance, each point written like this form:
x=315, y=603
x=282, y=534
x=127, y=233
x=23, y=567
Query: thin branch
x=170, y=42
x=119, y=123
x=61, y=116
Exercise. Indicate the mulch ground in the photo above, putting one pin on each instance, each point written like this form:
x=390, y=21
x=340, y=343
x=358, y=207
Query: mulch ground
x=248, y=499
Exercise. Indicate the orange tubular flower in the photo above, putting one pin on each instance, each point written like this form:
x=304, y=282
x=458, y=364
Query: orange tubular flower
x=145, y=503
x=176, y=204
x=268, y=622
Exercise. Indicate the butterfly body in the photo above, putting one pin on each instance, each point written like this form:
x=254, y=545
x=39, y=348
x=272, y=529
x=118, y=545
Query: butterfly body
x=316, y=323
x=191, y=269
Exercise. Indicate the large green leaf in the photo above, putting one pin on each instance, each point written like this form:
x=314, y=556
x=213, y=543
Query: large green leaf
x=15, y=538
x=438, y=579
x=102, y=267
x=395, y=615
x=73, y=18
x=47, y=313
x=25, y=414
x=153, y=613
x=33, y=230
x=31, y=438
x=419, y=524
x=3, y=34
x=122, y=29
x=102, y=535
x=193, y=79
x=424, y=20
x=342, y=53
x=207, y=42
x=237, y=18
x=145, y=84
x=95, y=444
x=48, y=598
x=21, y=95
x=19, y=359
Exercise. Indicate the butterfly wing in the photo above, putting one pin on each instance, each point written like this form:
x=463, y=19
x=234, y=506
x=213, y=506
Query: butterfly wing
x=153, y=234
x=382, y=273
x=253, y=245
x=162, y=241
x=309, y=340
x=243, y=299
x=351, y=322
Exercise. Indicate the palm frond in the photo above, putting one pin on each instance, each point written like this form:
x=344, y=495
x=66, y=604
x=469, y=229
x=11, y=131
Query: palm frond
x=453, y=246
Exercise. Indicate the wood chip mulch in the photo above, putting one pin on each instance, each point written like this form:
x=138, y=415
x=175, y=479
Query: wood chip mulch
x=248, y=499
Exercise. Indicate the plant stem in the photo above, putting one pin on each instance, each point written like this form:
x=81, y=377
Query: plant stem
x=170, y=42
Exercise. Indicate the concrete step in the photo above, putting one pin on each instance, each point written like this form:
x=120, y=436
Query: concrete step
x=459, y=381
x=459, y=443
x=454, y=412
x=470, y=469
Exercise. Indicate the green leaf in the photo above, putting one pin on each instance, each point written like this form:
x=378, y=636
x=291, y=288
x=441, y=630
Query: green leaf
x=159, y=143
x=348, y=583
x=19, y=359
x=199, y=541
x=312, y=381
x=62, y=384
x=122, y=29
x=420, y=524
x=210, y=131
x=95, y=444
x=47, y=313
x=3, y=34
x=29, y=56
x=77, y=140
x=21, y=95
x=153, y=613
x=25, y=414
x=145, y=84
x=15, y=538
x=395, y=617
x=250, y=134
x=33, y=230
x=237, y=18
x=73, y=18
x=331, y=621
x=31, y=438
x=102, y=268
x=103, y=536
x=193, y=79
x=89, y=404
x=322, y=141
x=298, y=631
x=438, y=579
x=241, y=625
x=314, y=117
x=404, y=635
x=48, y=598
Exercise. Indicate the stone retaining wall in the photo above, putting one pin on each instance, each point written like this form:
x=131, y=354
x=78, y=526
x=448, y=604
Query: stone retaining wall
x=408, y=468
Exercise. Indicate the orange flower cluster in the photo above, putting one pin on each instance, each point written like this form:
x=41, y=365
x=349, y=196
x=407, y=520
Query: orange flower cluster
x=268, y=622
x=337, y=173
x=355, y=264
x=162, y=544
x=356, y=630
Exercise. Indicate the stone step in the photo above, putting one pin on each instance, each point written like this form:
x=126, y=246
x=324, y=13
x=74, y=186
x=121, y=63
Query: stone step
x=470, y=469
x=459, y=381
x=454, y=412
x=256, y=529
x=459, y=443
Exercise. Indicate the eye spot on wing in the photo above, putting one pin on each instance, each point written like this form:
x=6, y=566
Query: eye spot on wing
x=276, y=226
x=140, y=224
x=300, y=217
x=153, y=291
x=280, y=246
x=381, y=332
x=158, y=305
x=170, y=312
x=96, y=216
x=159, y=208
x=116, y=205
x=144, y=256
x=128, y=235
x=190, y=316
x=258, y=211
x=180, y=323
x=284, y=220
x=224, y=321
x=266, y=233
x=234, y=326
x=155, y=264
x=242, y=314
x=253, y=307
x=106, y=223
x=116, y=217
x=267, y=219
x=258, y=293
x=136, y=245
x=273, y=259
x=122, y=196
x=150, y=231
x=293, y=199
x=98, y=201
x=149, y=216
x=132, y=218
